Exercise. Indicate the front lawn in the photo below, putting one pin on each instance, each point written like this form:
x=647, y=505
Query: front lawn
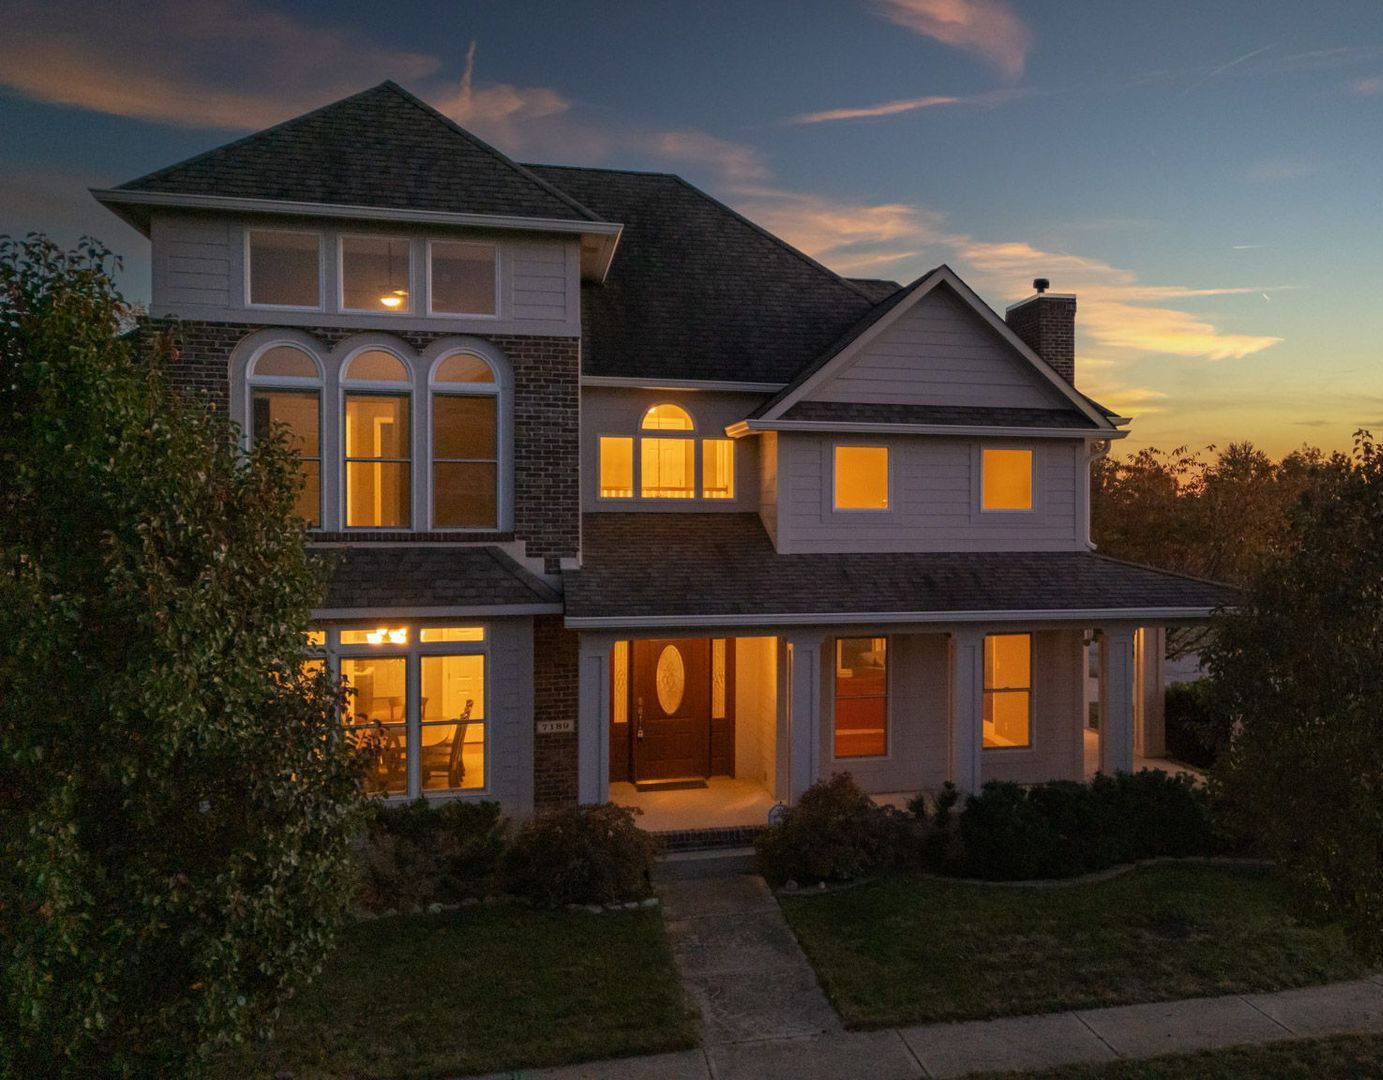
x=908, y=949
x=481, y=989
x=1344, y=1057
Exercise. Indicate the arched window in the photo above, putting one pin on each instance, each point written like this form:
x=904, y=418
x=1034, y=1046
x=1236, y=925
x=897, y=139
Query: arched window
x=285, y=387
x=465, y=443
x=377, y=443
x=666, y=460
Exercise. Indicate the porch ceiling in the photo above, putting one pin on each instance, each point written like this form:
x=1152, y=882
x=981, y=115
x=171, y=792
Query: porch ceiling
x=637, y=568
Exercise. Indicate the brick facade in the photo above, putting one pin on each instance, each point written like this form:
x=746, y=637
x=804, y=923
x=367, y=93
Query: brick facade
x=1047, y=325
x=556, y=652
x=546, y=404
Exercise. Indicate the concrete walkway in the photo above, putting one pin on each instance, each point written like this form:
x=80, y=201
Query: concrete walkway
x=763, y=1015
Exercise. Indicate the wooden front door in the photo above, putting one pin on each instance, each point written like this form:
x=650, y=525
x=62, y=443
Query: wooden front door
x=671, y=717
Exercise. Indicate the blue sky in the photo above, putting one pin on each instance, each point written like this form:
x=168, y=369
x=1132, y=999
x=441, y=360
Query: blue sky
x=1207, y=178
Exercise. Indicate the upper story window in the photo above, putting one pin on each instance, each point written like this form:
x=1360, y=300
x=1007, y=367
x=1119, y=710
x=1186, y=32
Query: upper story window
x=286, y=393
x=374, y=274
x=378, y=443
x=462, y=278
x=861, y=478
x=284, y=268
x=1006, y=479
x=388, y=439
x=465, y=443
x=666, y=460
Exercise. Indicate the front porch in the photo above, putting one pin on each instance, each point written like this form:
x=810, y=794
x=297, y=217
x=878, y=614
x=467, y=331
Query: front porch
x=704, y=733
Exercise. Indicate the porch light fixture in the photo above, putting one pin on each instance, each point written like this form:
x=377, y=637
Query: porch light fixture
x=386, y=636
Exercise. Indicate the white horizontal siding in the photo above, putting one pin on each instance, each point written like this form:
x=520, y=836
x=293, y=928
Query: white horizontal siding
x=939, y=353
x=191, y=262
x=540, y=280
x=934, y=498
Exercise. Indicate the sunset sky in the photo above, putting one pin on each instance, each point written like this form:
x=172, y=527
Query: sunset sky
x=1207, y=178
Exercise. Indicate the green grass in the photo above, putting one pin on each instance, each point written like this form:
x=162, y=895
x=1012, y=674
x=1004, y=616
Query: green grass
x=908, y=949
x=481, y=989
x=1346, y=1057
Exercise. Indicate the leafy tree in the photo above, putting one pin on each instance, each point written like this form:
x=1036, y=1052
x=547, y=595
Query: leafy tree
x=1299, y=668
x=176, y=797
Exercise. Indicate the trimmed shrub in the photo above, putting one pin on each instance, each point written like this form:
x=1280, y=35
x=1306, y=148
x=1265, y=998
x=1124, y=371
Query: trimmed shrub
x=835, y=833
x=423, y=853
x=580, y=855
x=1065, y=829
x=1193, y=728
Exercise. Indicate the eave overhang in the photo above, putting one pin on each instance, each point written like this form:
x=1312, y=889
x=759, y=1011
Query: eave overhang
x=1075, y=617
x=751, y=427
x=598, y=238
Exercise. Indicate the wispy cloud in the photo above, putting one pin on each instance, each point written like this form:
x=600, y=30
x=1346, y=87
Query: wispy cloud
x=191, y=63
x=1215, y=73
x=1371, y=86
x=990, y=29
x=907, y=105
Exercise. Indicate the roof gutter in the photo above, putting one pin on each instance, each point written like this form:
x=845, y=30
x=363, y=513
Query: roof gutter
x=749, y=427
x=834, y=618
x=599, y=238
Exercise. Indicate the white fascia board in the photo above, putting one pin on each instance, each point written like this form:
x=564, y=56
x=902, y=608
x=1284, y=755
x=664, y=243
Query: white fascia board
x=453, y=612
x=1081, y=615
x=747, y=427
x=608, y=232
x=632, y=383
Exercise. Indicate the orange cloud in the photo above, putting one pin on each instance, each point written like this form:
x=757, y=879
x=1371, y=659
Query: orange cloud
x=989, y=28
x=907, y=105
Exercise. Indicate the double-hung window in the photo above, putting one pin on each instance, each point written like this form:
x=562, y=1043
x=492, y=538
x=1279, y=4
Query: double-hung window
x=861, y=700
x=465, y=444
x=377, y=442
x=1008, y=690
x=286, y=396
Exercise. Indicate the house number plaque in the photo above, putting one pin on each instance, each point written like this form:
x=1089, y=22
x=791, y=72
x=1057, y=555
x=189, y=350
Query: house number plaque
x=555, y=727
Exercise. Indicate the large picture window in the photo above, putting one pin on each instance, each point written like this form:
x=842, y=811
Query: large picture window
x=861, y=699
x=285, y=268
x=1006, y=479
x=434, y=743
x=1008, y=690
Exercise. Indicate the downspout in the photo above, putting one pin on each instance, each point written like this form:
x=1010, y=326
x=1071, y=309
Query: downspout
x=1095, y=449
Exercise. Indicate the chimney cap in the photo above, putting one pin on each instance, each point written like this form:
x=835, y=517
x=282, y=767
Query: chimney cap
x=1041, y=284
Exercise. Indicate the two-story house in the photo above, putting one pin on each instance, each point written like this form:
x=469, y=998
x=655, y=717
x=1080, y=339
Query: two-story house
x=626, y=494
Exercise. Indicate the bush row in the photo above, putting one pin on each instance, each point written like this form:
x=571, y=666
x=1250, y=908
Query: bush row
x=1005, y=833
x=424, y=853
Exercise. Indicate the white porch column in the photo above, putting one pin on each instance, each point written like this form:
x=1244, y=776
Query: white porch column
x=593, y=718
x=967, y=709
x=1116, y=699
x=799, y=740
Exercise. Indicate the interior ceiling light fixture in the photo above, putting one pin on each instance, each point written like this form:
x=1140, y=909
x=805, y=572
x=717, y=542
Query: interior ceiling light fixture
x=394, y=299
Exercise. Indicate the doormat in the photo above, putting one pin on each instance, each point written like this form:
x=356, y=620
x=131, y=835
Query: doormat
x=685, y=783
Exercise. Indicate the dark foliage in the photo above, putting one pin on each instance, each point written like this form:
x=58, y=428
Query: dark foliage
x=176, y=794
x=420, y=854
x=835, y=833
x=580, y=855
x=1195, y=726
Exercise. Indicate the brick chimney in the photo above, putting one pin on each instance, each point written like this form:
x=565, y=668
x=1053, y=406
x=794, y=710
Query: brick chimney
x=1047, y=324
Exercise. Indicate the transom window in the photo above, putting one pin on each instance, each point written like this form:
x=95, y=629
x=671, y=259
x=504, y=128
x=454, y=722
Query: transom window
x=284, y=268
x=1006, y=479
x=861, y=478
x=1008, y=690
x=434, y=741
x=409, y=442
x=861, y=701
x=666, y=460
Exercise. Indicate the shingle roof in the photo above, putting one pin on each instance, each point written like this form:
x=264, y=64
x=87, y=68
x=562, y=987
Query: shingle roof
x=855, y=412
x=430, y=576
x=698, y=292
x=379, y=148
x=723, y=564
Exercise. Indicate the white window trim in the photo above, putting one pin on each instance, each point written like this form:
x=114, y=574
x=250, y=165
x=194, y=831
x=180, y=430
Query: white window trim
x=413, y=653
x=1032, y=480
x=331, y=363
x=492, y=389
x=296, y=383
x=888, y=697
x=381, y=388
x=432, y=311
x=341, y=239
x=321, y=269
x=835, y=507
x=1030, y=747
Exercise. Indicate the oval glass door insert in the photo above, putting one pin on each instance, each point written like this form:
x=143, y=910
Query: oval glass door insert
x=671, y=679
